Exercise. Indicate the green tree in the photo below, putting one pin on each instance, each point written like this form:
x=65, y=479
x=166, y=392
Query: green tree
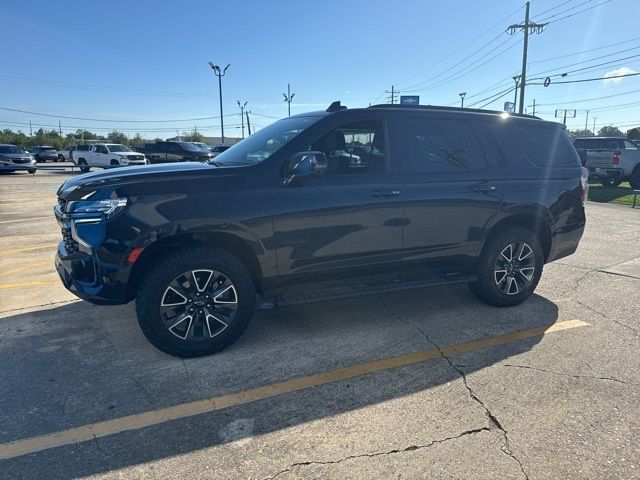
x=581, y=133
x=137, y=140
x=633, y=134
x=117, y=137
x=610, y=131
x=194, y=136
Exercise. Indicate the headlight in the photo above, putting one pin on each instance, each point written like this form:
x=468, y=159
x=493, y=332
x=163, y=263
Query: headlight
x=31, y=159
x=96, y=209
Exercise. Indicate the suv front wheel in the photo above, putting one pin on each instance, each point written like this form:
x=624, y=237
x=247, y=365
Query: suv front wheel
x=195, y=302
x=509, y=267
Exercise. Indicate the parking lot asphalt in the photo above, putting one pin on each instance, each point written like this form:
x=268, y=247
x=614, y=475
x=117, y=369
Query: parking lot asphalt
x=425, y=383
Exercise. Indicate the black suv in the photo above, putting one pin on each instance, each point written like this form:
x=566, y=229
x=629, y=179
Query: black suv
x=327, y=203
x=165, y=152
x=44, y=153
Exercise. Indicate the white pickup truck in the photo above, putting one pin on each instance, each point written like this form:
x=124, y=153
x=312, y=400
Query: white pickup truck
x=105, y=155
x=613, y=160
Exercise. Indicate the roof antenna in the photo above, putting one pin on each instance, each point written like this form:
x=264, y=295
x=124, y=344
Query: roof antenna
x=335, y=106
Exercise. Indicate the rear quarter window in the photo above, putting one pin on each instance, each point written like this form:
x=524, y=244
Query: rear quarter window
x=544, y=146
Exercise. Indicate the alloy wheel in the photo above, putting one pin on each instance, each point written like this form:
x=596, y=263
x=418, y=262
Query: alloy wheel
x=514, y=268
x=199, y=305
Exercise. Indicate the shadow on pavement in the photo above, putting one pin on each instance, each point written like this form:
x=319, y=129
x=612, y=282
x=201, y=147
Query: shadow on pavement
x=77, y=364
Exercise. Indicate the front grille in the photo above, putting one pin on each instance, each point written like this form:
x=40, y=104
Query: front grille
x=62, y=202
x=136, y=157
x=20, y=160
x=70, y=245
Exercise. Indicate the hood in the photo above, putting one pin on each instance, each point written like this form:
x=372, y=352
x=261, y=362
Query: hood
x=118, y=176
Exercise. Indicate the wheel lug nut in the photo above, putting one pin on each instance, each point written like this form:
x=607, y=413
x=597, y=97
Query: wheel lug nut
x=200, y=312
x=208, y=305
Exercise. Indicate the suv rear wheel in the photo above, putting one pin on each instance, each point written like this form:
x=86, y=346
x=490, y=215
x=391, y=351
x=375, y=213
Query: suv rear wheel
x=82, y=163
x=195, y=302
x=509, y=267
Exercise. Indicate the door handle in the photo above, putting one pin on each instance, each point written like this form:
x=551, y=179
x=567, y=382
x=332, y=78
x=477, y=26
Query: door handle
x=483, y=187
x=385, y=193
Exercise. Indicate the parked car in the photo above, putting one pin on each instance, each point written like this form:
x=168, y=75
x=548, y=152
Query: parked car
x=438, y=195
x=164, y=152
x=44, y=154
x=105, y=155
x=65, y=155
x=612, y=160
x=218, y=149
x=637, y=142
x=14, y=159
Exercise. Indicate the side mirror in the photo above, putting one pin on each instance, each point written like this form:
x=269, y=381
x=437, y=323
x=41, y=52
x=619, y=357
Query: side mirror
x=306, y=164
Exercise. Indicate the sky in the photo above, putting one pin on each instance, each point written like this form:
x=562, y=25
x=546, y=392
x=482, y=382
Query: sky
x=141, y=66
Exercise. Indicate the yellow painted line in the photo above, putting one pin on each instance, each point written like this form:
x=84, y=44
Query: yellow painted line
x=33, y=283
x=185, y=410
x=27, y=219
x=28, y=267
x=7, y=252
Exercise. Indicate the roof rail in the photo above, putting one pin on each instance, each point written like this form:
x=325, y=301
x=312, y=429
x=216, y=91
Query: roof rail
x=450, y=109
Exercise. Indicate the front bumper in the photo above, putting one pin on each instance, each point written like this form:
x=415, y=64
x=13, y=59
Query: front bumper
x=87, y=266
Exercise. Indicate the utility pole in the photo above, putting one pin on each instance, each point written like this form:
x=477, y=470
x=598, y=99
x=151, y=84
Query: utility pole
x=59, y=128
x=30, y=129
x=594, y=126
x=534, y=107
x=242, y=105
x=564, y=112
x=515, y=94
x=527, y=27
x=586, y=123
x=392, y=94
x=288, y=97
x=248, y=123
x=462, y=95
x=219, y=72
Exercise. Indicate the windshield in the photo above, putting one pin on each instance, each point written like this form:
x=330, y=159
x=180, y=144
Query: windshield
x=9, y=149
x=189, y=147
x=264, y=143
x=119, y=148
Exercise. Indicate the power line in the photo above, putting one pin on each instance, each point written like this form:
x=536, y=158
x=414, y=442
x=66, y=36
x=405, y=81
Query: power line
x=467, y=70
x=555, y=69
x=498, y=23
x=581, y=11
x=590, y=99
x=567, y=10
x=108, y=120
x=552, y=8
x=591, y=79
x=585, y=51
x=496, y=95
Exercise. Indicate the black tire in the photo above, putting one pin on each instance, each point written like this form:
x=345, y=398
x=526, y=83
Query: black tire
x=32, y=171
x=82, y=163
x=114, y=163
x=634, y=179
x=491, y=261
x=155, y=287
x=610, y=181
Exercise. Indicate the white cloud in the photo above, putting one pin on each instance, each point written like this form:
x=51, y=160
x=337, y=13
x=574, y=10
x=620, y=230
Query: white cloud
x=616, y=73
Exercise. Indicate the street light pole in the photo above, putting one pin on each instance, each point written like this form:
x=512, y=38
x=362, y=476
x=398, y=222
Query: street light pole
x=288, y=97
x=242, y=105
x=462, y=95
x=594, y=126
x=219, y=72
x=515, y=95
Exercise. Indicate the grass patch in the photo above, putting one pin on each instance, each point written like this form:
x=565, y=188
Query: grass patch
x=622, y=194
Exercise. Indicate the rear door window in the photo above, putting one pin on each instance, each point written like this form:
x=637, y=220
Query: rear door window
x=542, y=145
x=629, y=145
x=437, y=145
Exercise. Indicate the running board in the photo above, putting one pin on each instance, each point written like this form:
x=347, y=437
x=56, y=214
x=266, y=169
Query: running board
x=361, y=288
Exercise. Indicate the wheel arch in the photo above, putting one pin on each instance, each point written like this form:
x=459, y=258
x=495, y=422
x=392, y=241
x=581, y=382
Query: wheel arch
x=536, y=221
x=229, y=242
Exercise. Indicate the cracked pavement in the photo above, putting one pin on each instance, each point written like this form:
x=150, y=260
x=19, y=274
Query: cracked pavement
x=563, y=405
